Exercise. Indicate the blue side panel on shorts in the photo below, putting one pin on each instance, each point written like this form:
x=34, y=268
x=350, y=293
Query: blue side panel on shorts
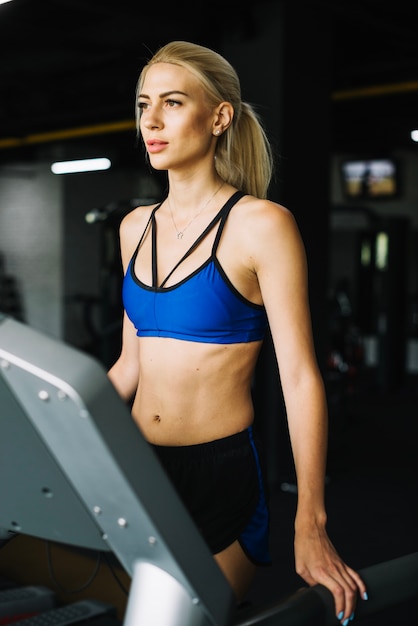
x=255, y=537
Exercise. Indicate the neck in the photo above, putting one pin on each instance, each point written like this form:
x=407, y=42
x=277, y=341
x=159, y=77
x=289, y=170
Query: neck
x=187, y=197
x=181, y=228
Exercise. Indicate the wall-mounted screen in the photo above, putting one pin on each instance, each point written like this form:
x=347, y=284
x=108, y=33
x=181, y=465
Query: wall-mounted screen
x=370, y=179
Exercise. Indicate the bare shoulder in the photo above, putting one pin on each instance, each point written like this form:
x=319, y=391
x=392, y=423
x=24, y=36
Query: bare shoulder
x=131, y=228
x=135, y=221
x=265, y=221
x=136, y=218
x=270, y=241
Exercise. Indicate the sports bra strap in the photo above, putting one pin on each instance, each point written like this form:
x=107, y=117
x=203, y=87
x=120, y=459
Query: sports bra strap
x=154, y=247
x=220, y=216
x=224, y=214
x=151, y=219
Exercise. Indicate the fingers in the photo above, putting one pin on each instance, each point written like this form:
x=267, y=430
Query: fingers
x=357, y=586
x=344, y=591
x=318, y=562
x=359, y=582
x=345, y=601
x=344, y=584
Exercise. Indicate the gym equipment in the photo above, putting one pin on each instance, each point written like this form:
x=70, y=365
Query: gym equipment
x=76, y=469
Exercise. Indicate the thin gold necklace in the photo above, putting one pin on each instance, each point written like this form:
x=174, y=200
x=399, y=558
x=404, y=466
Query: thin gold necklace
x=181, y=232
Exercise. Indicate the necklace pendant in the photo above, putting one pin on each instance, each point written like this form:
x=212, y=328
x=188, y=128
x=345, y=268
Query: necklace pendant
x=180, y=235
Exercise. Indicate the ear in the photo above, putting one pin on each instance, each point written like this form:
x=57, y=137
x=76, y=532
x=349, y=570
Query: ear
x=224, y=115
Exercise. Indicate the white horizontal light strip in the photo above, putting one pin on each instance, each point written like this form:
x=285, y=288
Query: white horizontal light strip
x=4, y=1
x=414, y=135
x=81, y=165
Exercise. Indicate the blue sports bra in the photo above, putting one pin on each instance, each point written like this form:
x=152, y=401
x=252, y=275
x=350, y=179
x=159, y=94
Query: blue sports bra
x=204, y=307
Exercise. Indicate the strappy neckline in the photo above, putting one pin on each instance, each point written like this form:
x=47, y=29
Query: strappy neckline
x=219, y=217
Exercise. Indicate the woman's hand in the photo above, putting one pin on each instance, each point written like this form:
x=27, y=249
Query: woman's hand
x=317, y=562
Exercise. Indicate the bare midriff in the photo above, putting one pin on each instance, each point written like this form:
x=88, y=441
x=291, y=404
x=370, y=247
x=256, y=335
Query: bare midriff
x=192, y=392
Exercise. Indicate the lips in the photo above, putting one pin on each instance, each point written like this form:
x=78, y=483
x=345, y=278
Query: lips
x=156, y=145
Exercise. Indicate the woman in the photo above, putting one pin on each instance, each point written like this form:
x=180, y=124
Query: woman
x=204, y=271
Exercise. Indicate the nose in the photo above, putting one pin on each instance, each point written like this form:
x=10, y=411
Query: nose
x=151, y=125
x=150, y=119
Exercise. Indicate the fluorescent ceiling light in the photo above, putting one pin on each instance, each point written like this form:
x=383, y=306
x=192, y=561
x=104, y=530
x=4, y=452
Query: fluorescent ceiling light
x=4, y=1
x=81, y=165
x=414, y=135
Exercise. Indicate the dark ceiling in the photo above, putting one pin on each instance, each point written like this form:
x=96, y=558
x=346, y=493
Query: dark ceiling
x=71, y=63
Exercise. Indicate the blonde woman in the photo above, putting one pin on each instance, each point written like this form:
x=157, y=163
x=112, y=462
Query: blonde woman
x=206, y=270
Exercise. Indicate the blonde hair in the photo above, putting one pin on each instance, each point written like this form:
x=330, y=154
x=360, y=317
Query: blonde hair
x=243, y=153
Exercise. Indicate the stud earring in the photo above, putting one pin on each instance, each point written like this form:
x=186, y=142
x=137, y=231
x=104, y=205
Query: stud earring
x=217, y=132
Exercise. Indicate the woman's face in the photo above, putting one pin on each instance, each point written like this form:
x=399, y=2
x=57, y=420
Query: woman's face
x=176, y=121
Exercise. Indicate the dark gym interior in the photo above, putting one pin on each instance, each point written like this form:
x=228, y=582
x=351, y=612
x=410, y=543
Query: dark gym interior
x=336, y=82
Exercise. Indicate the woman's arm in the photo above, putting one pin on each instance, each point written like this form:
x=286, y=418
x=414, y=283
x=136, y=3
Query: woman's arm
x=124, y=374
x=281, y=268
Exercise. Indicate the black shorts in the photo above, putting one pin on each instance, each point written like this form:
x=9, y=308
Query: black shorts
x=222, y=485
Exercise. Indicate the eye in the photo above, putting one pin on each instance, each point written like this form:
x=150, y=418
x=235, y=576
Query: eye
x=172, y=103
x=142, y=106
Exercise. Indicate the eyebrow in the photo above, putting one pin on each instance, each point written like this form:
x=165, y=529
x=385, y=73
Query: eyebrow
x=164, y=94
